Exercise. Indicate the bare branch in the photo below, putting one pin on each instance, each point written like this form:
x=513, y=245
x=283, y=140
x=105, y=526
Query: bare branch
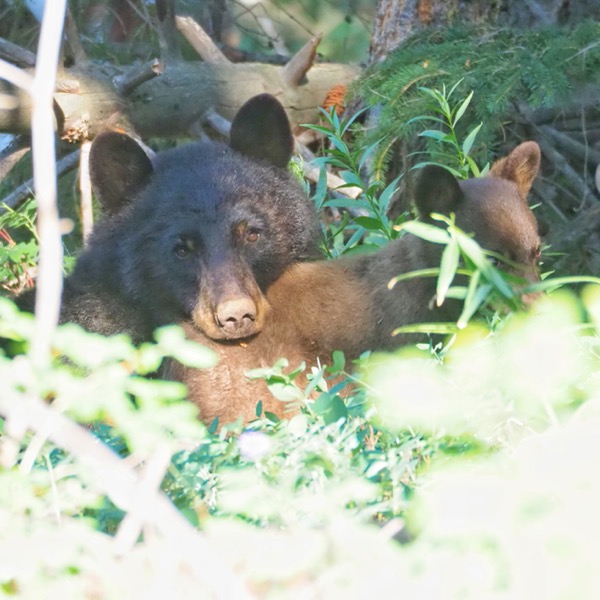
x=217, y=122
x=295, y=71
x=128, y=82
x=12, y=154
x=200, y=41
x=576, y=182
x=15, y=54
x=573, y=148
x=25, y=190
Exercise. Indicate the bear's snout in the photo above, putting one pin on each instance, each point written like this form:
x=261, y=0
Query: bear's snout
x=237, y=317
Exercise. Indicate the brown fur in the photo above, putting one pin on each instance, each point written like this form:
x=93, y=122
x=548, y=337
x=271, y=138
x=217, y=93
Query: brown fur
x=346, y=304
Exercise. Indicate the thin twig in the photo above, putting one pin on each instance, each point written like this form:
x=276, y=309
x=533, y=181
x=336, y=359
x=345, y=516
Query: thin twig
x=85, y=188
x=49, y=281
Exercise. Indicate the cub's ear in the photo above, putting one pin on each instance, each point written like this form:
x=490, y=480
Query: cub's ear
x=119, y=168
x=436, y=191
x=521, y=166
x=261, y=131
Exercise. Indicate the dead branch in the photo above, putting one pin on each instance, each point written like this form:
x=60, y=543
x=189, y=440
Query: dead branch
x=25, y=190
x=12, y=154
x=572, y=148
x=295, y=71
x=126, y=83
x=200, y=41
x=560, y=163
x=169, y=104
x=15, y=54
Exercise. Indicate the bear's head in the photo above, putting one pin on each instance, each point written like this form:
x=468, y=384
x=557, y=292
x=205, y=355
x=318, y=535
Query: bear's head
x=494, y=208
x=201, y=231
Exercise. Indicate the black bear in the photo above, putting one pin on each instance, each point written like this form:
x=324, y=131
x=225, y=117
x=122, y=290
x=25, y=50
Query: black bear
x=345, y=304
x=194, y=233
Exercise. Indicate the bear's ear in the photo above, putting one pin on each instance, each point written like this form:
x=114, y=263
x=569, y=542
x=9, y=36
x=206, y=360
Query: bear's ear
x=119, y=169
x=436, y=191
x=521, y=166
x=261, y=131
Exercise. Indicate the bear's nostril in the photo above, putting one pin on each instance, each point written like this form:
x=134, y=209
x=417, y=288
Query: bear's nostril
x=236, y=315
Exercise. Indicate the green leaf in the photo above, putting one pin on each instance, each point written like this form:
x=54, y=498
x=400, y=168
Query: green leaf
x=462, y=108
x=431, y=233
x=432, y=328
x=352, y=178
x=369, y=223
x=474, y=252
x=448, y=267
x=387, y=194
x=470, y=139
x=476, y=296
x=434, y=134
x=331, y=408
x=339, y=362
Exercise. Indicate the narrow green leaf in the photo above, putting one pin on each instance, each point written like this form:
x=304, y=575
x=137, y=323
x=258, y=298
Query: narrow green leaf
x=369, y=223
x=434, y=134
x=386, y=196
x=412, y=275
x=448, y=267
x=460, y=111
x=431, y=233
x=433, y=328
x=474, y=252
x=470, y=139
x=476, y=296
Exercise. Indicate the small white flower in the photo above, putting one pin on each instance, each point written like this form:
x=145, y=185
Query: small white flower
x=253, y=445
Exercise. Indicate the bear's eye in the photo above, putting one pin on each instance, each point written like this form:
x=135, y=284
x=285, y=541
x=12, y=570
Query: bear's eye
x=183, y=248
x=252, y=234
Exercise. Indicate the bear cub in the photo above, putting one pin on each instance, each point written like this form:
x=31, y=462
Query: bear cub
x=196, y=233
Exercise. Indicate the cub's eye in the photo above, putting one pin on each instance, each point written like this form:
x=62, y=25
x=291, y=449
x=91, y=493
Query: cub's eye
x=183, y=248
x=497, y=262
x=252, y=234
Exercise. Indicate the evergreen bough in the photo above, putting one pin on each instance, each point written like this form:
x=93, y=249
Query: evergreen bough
x=510, y=72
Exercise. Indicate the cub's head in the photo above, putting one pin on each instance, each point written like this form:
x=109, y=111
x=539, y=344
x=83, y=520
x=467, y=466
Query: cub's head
x=200, y=231
x=494, y=208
